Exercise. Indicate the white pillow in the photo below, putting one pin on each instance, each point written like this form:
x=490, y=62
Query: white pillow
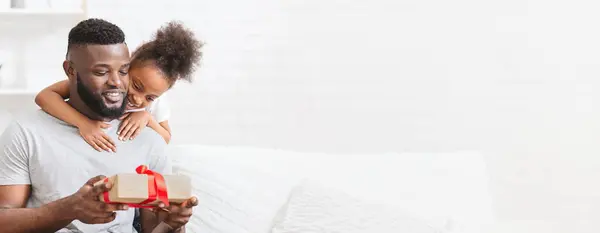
x=239, y=189
x=313, y=208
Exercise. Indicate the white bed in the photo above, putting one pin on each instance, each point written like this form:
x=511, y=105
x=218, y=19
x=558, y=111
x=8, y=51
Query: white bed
x=244, y=190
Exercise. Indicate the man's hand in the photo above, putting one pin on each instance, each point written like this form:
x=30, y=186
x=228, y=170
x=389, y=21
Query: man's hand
x=177, y=215
x=86, y=206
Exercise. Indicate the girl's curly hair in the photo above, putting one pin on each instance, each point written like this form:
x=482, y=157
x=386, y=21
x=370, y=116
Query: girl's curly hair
x=174, y=50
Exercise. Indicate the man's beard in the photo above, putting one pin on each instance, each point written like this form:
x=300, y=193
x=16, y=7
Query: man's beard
x=96, y=104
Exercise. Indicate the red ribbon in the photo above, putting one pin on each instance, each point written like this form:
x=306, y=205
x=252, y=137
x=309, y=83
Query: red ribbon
x=157, y=189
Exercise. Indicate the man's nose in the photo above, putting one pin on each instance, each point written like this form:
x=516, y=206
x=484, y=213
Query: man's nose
x=114, y=80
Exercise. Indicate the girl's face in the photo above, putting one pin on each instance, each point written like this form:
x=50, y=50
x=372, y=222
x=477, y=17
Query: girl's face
x=146, y=83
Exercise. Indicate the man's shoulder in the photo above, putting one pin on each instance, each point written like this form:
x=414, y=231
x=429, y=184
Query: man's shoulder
x=35, y=119
x=35, y=124
x=34, y=116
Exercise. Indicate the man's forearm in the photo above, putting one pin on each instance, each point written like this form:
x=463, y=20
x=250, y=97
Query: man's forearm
x=165, y=228
x=48, y=218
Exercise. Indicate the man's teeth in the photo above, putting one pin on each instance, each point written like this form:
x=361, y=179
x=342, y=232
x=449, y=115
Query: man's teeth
x=113, y=94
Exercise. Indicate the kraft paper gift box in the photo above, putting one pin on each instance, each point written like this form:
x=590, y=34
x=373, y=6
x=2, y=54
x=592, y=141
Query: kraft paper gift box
x=134, y=189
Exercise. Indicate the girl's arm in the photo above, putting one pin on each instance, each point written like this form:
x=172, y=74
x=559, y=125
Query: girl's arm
x=161, y=128
x=135, y=122
x=52, y=100
x=156, y=118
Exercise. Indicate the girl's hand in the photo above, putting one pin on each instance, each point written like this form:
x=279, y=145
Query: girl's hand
x=93, y=134
x=132, y=125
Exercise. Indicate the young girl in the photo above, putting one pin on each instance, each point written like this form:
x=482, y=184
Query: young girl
x=172, y=55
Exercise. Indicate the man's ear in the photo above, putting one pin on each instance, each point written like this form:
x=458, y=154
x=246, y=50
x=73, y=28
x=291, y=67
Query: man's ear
x=69, y=70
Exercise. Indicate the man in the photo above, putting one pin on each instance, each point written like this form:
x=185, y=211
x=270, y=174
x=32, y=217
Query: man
x=44, y=162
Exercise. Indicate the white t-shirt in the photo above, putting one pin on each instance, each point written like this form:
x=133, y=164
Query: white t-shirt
x=39, y=150
x=159, y=109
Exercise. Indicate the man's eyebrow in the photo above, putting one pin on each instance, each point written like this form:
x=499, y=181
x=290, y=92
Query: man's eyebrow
x=102, y=65
x=108, y=66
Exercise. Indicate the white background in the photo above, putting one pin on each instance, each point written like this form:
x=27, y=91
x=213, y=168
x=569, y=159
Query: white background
x=518, y=80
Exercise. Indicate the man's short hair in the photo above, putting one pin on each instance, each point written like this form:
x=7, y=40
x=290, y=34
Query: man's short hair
x=95, y=32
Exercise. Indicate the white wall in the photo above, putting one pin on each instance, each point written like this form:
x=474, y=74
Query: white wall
x=517, y=80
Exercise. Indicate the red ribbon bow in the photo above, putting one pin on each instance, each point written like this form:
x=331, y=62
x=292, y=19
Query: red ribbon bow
x=157, y=189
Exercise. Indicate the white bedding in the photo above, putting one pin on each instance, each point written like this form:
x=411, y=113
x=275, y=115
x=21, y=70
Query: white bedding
x=241, y=190
x=314, y=208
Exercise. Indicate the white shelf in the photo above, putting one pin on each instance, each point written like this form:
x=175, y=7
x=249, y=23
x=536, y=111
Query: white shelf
x=41, y=11
x=5, y=93
x=34, y=17
x=19, y=28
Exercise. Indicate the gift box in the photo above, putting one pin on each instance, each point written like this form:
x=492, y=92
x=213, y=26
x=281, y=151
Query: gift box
x=147, y=188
